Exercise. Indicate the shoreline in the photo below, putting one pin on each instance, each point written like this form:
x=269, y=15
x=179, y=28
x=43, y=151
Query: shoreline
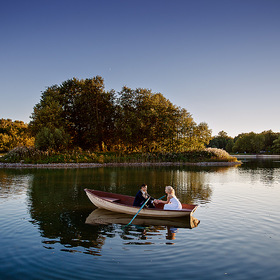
x=134, y=164
x=257, y=156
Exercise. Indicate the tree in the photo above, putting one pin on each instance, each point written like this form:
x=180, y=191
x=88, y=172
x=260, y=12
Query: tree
x=229, y=145
x=258, y=143
x=95, y=120
x=51, y=140
x=148, y=121
x=134, y=120
x=48, y=113
x=269, y=138
x=249, y=143
x=222, y=141
x=129, y=119
x=14, y=133
x=158, y=121
x=203, y=135
x=242, y=143
x=81, y=108
x=276, y=145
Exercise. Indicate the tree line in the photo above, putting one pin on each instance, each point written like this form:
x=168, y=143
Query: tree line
x=254, y=143
x=80, y=113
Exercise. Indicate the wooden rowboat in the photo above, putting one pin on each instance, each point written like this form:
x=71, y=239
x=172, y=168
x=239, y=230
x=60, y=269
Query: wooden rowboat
x=124, y=204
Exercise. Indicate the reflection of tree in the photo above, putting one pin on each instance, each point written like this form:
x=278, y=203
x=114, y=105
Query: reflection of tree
x=14, y=182
x=68, y=228
x=263, y=170
x=189, y=182
x=194, y=189
x=191, y=186
x=60, y=208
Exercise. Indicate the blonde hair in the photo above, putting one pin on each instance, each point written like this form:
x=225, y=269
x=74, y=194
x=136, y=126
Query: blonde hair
x=170, y=190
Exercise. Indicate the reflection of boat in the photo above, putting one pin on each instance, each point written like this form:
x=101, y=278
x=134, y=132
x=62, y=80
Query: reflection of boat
x=105, y=217
x=123, y=204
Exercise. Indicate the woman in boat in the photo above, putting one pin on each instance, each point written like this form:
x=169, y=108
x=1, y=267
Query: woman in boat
x=141, y=196
x=172, y=202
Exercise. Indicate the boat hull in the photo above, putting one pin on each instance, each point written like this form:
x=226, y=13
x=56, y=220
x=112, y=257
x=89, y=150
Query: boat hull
x=123, y=204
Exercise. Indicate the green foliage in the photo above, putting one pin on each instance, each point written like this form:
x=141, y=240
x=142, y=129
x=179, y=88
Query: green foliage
x=254, y=143
x=269, y=138
x=249, y=143
x=145, y=121
x=229, y=145
x=276, y=145
x=81, y=108
x=13, y=133
x=222, y=141
x=48, y=112
x=34, y=155
x=51, y=140
x=80, y=113
x=148, y=122
x=131, y=120
x=44, y=139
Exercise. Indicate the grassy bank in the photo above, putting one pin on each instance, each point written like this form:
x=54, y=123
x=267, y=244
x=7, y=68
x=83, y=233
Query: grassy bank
x=34, y=156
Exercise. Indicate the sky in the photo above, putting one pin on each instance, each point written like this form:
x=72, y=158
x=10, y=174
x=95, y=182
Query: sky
x=218, y=59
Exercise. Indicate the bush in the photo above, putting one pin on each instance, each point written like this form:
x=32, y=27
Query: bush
x=52, y=140
x=23, y=153
x=33, y=155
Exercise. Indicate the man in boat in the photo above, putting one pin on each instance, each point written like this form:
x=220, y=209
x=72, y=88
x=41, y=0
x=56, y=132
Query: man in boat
x=141, y=197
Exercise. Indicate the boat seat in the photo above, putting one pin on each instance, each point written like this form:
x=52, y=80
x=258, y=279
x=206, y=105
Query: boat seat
x=111, y=199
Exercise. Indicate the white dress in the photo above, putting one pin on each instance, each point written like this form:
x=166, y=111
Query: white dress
x=174, y=204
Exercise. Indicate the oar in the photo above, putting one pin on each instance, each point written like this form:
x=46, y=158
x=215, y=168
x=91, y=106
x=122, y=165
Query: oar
x=140, y=210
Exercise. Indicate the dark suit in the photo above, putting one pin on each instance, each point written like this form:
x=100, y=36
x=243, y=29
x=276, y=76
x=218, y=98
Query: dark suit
x=140, y=199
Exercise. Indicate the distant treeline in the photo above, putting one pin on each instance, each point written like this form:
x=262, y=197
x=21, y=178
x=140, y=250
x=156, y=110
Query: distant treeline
x=81, y=114
x=267, y=142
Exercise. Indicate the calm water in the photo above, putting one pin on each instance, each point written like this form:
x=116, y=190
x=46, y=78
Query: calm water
x=49, y=230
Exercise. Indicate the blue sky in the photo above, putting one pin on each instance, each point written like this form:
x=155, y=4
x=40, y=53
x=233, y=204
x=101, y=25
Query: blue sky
x=219, y=59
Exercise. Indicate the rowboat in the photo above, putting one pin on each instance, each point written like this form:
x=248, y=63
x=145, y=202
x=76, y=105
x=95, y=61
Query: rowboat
x=124, y=204
x=105, y=217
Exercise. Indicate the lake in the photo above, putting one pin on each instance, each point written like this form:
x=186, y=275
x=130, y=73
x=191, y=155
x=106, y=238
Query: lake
x=49, y=229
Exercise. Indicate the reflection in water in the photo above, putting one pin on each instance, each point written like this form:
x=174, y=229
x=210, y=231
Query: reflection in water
x=47, y=222
x=106, y=217
x=13, y=186
x=191, y=183
x=69, y=231
x=89, y=238
x=59, y=207
x=263, y=170
x=139, y=235
x=171, y=233
x=145, y=227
